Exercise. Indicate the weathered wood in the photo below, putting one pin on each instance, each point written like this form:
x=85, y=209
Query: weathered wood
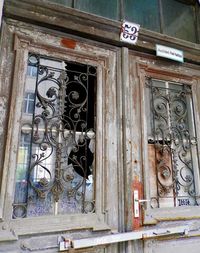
x=186, y=73
x=107, y=141
x=88, y=25
x=7, y=236
x=173, y=246
x=121, y=143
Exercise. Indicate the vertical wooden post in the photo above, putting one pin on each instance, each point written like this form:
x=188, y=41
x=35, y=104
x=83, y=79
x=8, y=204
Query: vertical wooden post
x=1, y=11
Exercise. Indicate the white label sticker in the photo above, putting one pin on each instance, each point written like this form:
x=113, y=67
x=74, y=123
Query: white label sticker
x=169, y=53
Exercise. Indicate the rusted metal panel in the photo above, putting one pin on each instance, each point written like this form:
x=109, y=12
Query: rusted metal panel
x=137, y=192
x=157, y=179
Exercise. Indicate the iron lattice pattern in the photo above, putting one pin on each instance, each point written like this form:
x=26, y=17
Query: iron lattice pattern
x=56, y=155
x=172, y=145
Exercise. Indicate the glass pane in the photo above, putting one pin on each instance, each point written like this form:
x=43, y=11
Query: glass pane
x=179, y=20
x=29, y=102
x=63, y=2
x=172, y=146
x=108, y=9
x=32, y=71
x=56, y=154
x=145, y=13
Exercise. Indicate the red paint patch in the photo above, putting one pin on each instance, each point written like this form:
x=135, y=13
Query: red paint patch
x=69, y=43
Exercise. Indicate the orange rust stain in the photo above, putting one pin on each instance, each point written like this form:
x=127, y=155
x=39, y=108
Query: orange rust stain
x=137, y=221
x=69, y=43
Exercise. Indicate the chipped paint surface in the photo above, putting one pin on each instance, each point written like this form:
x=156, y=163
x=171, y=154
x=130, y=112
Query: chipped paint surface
x=3, y=103
x=69, y=43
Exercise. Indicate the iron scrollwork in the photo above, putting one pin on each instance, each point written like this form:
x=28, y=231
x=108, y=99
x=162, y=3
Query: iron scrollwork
x=174, y=139
x=62, y=146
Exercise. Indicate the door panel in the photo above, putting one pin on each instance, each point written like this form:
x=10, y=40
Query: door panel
x=165, y=120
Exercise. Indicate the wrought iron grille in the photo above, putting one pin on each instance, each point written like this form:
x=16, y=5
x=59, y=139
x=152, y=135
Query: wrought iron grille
x=172, y=145
x=56, y=156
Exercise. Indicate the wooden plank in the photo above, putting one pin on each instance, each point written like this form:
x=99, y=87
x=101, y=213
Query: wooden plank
x=6, y=236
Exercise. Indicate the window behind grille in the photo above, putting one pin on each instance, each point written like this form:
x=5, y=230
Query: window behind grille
x=172, y=146
x=56, y=154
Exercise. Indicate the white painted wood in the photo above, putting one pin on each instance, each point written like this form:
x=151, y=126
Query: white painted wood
x=6, y=235
x=190, y=245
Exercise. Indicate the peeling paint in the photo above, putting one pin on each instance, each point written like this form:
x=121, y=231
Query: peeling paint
x=69, y=43
x=3, y=103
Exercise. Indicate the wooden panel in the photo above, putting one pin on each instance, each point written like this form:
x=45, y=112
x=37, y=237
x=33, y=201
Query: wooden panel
x=173, y=246
x=158, y=69
x=106, y=216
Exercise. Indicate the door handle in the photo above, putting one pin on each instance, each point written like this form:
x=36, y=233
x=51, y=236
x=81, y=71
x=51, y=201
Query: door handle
x=138, y=201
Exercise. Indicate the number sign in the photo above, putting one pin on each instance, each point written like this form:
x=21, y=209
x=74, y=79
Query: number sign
x=129, y=32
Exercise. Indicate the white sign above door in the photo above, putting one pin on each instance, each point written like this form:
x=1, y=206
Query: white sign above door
x=169, y=53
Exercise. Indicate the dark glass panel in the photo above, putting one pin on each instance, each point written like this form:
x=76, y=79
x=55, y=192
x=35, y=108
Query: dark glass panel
x=108, y=9
x=145, y=13
x=179, y=20
x=63, y=2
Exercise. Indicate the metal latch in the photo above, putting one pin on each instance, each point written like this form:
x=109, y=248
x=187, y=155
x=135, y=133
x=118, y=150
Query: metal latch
x=64, y=244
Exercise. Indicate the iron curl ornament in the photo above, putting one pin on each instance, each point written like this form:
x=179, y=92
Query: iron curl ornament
x=172, y=136
x=60, y=161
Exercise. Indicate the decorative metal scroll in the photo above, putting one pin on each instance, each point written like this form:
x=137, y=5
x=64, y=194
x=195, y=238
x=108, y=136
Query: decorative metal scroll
x=59, y=166
x=173, y=141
